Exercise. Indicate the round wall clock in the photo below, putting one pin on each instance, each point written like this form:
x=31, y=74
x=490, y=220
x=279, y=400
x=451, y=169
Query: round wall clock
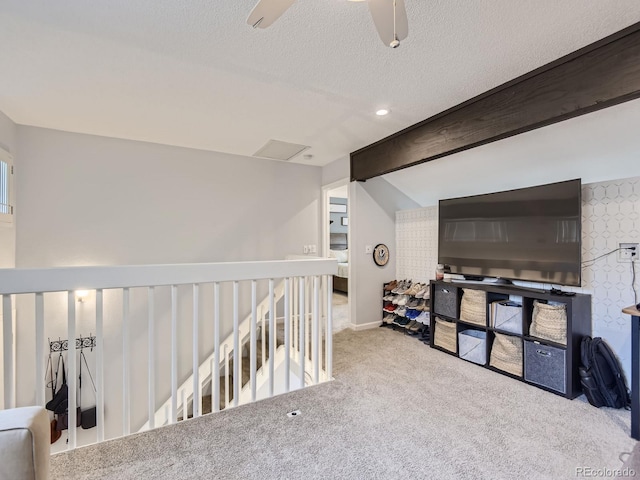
x=381, y=254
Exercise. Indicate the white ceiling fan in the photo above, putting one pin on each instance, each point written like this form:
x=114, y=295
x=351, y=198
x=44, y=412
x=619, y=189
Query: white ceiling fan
x=389, y=17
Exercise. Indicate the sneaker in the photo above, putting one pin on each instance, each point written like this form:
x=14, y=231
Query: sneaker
x=406, y=287
x=399, y=286
x=391, y=285
x=403, y=300
x=415, y=328
x=424, y=318
x=423, y=291
x=413, y=302
x=423, y=305
x=415, y=288
x=389, y=307
x=412, y=314
x=401, y=311
x=388, y=318
x=401, y=321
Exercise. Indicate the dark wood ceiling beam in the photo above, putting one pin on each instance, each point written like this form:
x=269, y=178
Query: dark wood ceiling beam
x=600, y=75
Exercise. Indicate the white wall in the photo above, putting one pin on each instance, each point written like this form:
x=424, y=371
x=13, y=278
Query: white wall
x=337, y=170
x=610, y=215
x=94, y=200
x=7, y=231
x=88, y=200
x=372, y=221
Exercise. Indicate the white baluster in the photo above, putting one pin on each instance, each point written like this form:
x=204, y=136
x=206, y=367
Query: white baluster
x=8, y=353
x=329, y=330
x=295, y=317
x=272, y=336
x=174, y=354
x=215, y=375
x=151, y=357
x=301, y=327
x=196, y=352
x=315, y=346
x=307, y=317
x=71, y=367
x=253, y=354
x=40, y=349
x=227, y=383
x=236, y=348
x=287, y=335
x=126, y=359
x=263, y=335
x=185, y=405
x=100, y=365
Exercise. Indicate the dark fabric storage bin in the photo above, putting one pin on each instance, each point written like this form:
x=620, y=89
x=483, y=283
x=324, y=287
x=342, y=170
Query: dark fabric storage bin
x=545, y=365
x=445, y=300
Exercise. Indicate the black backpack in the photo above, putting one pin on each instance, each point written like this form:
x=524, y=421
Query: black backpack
x=601, y=375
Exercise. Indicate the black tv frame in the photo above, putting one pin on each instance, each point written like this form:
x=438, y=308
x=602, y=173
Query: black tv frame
x=548, y=267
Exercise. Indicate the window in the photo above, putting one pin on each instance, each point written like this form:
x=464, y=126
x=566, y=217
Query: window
x=6, y=187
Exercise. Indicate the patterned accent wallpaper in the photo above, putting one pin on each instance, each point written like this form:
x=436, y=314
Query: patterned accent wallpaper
x=610, y=215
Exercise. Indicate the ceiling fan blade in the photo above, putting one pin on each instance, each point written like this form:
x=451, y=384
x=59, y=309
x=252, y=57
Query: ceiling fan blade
x=267, y=11
x=382, y=14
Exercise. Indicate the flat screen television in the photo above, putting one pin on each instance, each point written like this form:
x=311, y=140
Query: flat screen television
x=531, y=234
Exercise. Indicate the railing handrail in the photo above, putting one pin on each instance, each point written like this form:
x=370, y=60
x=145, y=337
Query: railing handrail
x=58, y=279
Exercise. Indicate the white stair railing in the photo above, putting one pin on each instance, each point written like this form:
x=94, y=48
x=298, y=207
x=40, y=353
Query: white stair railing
x=206, y=368
x=30, y=292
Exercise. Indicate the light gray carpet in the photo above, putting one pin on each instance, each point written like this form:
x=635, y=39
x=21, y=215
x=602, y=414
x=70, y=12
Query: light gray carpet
x=340, y=314
x=397, y=409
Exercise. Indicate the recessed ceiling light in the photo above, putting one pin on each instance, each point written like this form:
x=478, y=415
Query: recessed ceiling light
x=382, y=112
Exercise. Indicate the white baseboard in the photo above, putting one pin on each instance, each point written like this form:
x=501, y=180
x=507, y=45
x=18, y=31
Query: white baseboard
x=365, y=326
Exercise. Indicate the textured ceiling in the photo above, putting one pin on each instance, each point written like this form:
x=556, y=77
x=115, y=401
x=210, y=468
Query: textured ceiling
x=192, y=73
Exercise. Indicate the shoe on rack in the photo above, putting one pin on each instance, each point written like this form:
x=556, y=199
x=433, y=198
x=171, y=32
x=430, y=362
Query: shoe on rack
x=415, y=288
x=388, y=318
x=423, y=291
x=391, y=285
x=389, y=307
x=399, y=286
x=413, y=302
x=424, y=318
x=416, y=328
x=401, y=321
x=401, y=311
x=403, y=300
x=405, y=288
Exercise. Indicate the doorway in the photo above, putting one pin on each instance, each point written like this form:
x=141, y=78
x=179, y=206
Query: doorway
x=335, y=244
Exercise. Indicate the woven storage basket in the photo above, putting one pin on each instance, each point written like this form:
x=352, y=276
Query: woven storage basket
x=549, y=322
x=473, y=307
x=445, y=335
x=506, y=354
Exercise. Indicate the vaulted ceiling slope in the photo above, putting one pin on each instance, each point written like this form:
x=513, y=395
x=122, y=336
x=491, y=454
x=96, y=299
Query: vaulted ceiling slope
x=192, y=73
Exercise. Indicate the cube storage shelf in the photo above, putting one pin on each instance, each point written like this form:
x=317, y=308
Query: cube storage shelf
x=546, y=364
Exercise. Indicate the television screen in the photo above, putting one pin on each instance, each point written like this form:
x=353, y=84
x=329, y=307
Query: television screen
x=531, y=234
